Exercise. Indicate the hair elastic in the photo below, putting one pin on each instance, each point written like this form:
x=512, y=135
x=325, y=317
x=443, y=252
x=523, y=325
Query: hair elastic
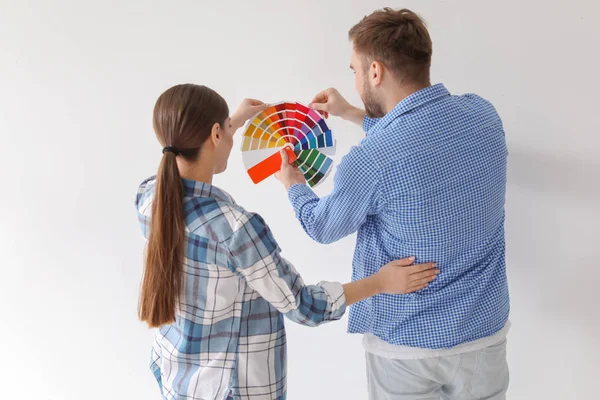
x=171, y=149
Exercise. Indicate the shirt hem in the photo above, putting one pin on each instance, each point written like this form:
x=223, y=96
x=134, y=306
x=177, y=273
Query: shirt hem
x=398, y=352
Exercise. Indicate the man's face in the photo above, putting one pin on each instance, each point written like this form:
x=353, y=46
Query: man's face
x=364, y=73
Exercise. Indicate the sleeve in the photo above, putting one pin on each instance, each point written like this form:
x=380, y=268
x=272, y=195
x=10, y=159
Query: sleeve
x=143, y=204
x=255, y=255
x=369, y=123
x=355, y=195
x=155, y=361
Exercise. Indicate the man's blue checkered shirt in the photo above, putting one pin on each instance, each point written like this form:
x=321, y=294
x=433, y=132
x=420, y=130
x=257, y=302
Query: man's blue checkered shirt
x=429, y=180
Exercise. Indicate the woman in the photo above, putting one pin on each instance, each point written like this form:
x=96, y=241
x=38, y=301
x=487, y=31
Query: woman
x=214, y=281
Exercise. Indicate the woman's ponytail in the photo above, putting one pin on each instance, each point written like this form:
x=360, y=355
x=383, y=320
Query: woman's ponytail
x=164, y=256
x=183, y=118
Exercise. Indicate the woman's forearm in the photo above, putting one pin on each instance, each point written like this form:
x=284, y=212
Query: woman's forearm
x=361, y=289
x=396, y=277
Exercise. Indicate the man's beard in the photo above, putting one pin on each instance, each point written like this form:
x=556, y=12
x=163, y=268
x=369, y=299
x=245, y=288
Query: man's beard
x=373, y=108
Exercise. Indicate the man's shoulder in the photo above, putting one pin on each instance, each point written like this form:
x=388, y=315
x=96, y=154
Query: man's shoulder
x=426, y=128
x=390, y=144
x=475, y=102
x=363, y=156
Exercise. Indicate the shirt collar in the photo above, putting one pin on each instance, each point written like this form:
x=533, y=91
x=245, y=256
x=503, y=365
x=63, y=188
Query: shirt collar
x=201, y=189
x=413, y=101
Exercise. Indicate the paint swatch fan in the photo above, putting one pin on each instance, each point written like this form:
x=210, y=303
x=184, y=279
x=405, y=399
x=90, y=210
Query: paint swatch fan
x=300, y=131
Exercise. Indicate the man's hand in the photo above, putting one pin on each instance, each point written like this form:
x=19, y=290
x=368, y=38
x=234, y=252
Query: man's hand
x=289, y=174
x=330, y=101
x=247, y=109
x=399, y=277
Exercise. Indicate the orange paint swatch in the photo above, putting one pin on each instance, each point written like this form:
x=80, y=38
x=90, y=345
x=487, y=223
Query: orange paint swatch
x=270, y=165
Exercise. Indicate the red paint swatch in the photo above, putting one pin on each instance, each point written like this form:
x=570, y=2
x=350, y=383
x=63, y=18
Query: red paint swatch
x=302, y=108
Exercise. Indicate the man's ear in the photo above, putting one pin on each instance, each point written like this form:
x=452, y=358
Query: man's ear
x=376, y=72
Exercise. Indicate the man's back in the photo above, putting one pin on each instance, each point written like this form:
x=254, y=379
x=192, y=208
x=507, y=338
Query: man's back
x=429, y=181
x=441, y=177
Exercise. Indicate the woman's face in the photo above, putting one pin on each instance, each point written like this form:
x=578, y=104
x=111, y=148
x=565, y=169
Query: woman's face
x=223, y=146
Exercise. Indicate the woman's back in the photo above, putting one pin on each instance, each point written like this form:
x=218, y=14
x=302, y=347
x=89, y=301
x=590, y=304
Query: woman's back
x=229, y=332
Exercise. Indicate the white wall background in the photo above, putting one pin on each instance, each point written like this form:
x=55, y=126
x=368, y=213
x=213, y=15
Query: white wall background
x=78, y=80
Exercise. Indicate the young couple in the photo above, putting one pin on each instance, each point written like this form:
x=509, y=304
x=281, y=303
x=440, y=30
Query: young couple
x=427, y=181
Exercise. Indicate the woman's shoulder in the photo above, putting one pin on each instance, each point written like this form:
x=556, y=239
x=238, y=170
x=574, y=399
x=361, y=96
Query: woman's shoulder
x=219, y=220
x=143, y=198
x=216, y=217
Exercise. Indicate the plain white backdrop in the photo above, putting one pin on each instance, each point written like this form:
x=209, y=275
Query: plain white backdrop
x=78, y=80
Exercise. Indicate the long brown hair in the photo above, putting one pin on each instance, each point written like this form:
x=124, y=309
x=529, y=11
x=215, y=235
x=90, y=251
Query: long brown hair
x=183, y=119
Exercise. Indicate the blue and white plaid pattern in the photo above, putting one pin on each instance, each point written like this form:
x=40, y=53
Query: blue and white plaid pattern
x=429, y=180
x=229, y=336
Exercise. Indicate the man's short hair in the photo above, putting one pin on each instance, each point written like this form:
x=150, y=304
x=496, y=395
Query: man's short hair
x=397, y=38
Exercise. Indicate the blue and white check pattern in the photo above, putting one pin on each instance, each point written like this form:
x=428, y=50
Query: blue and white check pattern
x=429, y=180
x=229, y=340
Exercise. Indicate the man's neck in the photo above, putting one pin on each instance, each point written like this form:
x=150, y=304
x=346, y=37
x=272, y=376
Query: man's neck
x=399, y=93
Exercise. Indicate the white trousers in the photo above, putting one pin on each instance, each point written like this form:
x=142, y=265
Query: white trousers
x=481, y=374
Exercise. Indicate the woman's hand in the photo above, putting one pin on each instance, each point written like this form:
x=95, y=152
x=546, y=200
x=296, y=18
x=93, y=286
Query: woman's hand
x=401, y=276
x=247, y=109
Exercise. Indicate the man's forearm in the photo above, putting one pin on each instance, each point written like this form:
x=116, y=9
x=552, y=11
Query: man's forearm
x=316, y=223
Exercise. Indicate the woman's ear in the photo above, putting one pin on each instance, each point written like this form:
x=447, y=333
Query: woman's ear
x=216, y=133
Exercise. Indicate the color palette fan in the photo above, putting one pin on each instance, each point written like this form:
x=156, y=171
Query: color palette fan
x=302, y=132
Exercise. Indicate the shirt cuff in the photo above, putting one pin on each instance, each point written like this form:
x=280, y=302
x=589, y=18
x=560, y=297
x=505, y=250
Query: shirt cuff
x=296, y=192
x=369, y=123
x=335, y=291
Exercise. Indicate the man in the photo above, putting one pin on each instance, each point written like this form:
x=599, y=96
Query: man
x=428, y=180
